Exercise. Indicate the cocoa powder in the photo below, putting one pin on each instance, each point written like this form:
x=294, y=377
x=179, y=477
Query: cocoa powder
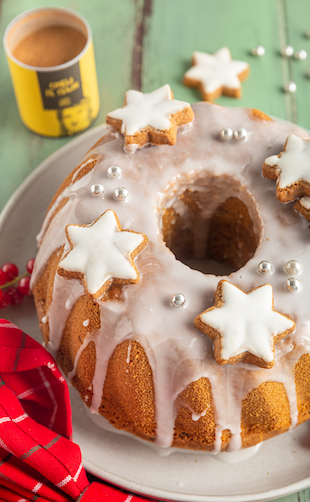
x=50, y=46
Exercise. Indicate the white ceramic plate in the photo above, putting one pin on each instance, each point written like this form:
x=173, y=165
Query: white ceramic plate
x=281, y=467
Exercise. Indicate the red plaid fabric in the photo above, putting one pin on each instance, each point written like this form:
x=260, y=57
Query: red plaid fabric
x=38, y=460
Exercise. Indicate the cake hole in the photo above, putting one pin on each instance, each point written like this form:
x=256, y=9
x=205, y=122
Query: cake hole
x=212, y=225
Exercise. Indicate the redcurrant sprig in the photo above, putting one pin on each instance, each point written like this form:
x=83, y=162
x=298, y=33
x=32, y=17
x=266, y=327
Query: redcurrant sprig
x=14, y=287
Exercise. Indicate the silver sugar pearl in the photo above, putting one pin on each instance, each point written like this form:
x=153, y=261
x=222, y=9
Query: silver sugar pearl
x=287, y=51
x=114, y=172
x=178, y=300
x=265, y=267
x=290, y=87
x=292, y=267
x=302, y=54
x=241, y=134
x=259, y=50
x=226, y=134
x=97, y=190
x=121, y=193
x=293, y=284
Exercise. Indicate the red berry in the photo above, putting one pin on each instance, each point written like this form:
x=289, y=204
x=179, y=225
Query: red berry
x=5, y=300
x=16, y=296
x=23, y=286
x=1, y=293
x=11, y=270
x=3, y=278
x=30, y=265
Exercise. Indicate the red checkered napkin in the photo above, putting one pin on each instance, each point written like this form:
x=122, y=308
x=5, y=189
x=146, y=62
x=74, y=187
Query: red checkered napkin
x=38, y=460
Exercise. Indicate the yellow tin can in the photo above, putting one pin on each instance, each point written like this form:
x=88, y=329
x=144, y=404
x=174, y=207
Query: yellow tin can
x=56, y=88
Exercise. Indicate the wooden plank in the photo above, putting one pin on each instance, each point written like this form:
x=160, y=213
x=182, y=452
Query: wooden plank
x=113, y=27
x=208, y=26
x=303, y=496
x=297, y=21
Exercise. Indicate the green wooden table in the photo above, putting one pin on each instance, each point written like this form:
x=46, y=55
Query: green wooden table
x=144, y=44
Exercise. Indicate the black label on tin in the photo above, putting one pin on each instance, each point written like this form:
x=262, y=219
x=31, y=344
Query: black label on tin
x=61, y=88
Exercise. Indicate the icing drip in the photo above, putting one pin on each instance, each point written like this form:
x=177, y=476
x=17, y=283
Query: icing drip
x=196, y=417
x=67, y=192
x=128, y=353
x=305, y=201
x=227, y=397
x=105, y=346
x=88, y=338
x=57, y=315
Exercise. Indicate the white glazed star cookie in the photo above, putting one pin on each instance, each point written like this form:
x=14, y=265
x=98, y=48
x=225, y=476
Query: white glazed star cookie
x=290, y=169
x=216, y=74
x=150, y=118
x=102, y=253
x=244, y=326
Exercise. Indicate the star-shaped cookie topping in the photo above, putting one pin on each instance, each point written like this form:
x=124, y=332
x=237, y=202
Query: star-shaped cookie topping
x=102, y=253
x=244, y=326
x=150, y=118
x=216, y=74
x=290, y=169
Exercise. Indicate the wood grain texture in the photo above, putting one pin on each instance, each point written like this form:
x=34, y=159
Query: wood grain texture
x=143, y=44
x=297, y=22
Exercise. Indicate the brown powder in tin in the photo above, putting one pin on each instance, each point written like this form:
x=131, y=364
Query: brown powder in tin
x=50, y=46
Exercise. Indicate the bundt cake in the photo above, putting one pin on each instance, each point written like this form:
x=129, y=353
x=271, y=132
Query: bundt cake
x=171, y=284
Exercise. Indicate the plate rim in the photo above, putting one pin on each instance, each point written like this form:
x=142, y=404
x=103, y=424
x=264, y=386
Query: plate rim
x=98, y=471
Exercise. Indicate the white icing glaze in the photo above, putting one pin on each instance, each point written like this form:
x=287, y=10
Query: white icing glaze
x=101, y=251
x=217, y=70
x=155, y=177
x=143, y=110
x=305, y=201
x=225, y=457
x=293, y=163
x=247, y=322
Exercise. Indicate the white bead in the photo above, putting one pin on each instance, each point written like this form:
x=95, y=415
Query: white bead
x=265, y=267
x=114, y=172
x=121, y=193
x=259, y=50
x=97, y=190
x=241, y=134
x=302, y=54
x=178, y=300
x=293, y=284
x=290, y=87
x=292, y=267
x=287, y=51
x=226, y=134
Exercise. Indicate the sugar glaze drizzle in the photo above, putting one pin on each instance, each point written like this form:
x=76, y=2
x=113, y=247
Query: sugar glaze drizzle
x=178, y=354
